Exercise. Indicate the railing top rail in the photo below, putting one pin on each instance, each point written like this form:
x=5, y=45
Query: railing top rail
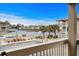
x=39, y=44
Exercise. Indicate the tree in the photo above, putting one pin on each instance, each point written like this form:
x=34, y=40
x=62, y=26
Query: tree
x=18, y=26
x=52, y=28
x=43, y=30
x=55, y=28
x=49, y=29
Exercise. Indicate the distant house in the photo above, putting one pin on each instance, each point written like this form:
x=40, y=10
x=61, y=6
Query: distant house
x=18, y=26
x=63, y=24
x=13, y=26
x=4, y=26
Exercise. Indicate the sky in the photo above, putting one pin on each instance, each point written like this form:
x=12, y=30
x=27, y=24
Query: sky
x=33, y=13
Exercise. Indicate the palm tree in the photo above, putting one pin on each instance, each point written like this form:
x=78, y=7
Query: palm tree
x=49, y=29
x=43, y=30
x=55, y=28
x=52, y=28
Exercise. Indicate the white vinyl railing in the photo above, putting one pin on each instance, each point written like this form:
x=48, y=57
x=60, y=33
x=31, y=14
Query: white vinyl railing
x=51, y=48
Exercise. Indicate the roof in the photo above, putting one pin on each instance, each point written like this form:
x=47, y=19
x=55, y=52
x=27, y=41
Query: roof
x=64, y=20
x=6, y=22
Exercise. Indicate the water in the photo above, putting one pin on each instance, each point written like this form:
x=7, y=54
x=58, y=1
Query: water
x=21, y=32
x=18, y=45
x=17, y=32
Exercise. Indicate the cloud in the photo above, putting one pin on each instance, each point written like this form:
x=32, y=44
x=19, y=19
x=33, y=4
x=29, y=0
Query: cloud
x=13, y=19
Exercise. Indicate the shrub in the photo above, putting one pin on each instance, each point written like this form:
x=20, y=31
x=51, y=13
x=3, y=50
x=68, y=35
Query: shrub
x=55, y=36
x=38, y=37
x=50, y=36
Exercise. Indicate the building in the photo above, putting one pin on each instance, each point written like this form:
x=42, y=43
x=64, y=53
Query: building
x=4, y=26
x=63, y=24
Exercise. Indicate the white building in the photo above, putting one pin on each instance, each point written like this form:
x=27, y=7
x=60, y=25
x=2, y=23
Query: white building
x=63, y=24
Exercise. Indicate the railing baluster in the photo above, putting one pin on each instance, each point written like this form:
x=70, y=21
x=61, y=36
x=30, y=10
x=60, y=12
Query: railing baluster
x=77, y=50
x=40, y=53
x=67, y=49
x=47, y=52
x=57, y=50
x=32, y=54
x=52, y=52
x=43, y=52
x=36, y=53
x=60, y=51
x=63, y=50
